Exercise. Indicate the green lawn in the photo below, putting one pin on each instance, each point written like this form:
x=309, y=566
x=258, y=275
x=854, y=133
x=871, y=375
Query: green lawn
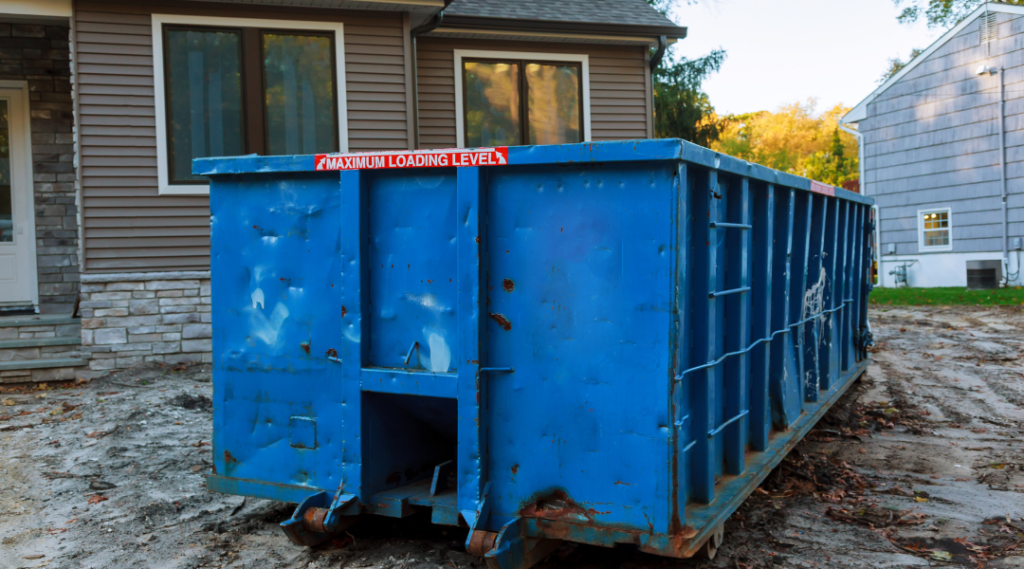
x=947, y=296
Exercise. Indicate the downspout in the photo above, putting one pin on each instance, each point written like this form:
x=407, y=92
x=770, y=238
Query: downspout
x=1002, y=175
x=76, y=133
x=422, y=29
x=864, y=191
x=659, y=54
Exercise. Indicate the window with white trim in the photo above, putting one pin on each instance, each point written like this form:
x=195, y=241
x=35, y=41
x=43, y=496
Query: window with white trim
x=237, y=86
x=935, y=229
x=519, y=98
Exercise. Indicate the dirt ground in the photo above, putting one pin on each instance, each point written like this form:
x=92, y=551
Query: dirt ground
x=921, y=464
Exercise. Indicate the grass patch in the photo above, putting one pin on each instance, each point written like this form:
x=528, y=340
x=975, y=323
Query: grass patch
x=947, y=296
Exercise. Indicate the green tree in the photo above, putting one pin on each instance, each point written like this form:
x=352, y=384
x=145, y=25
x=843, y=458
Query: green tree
x=940, y=13
x=666, y=6
x=681, y=108
x=896, y=65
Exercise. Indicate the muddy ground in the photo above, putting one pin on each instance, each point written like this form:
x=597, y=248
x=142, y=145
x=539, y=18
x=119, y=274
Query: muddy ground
x=921, y=464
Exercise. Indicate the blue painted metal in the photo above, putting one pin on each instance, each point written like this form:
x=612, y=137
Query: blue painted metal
x=605, y=343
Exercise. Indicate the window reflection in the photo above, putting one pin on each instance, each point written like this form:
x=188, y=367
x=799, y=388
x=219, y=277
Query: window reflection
x=6, y=199
x=554, y=104
x=299, y=97
x=492, y=104
x=204, y=98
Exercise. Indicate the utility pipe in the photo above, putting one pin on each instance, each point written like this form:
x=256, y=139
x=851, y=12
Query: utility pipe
x=430, y=26
x=655, y=61
x=864, y=191
x=1002, y=175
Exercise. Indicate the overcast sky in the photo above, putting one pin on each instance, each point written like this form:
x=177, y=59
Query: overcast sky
x=783, y=51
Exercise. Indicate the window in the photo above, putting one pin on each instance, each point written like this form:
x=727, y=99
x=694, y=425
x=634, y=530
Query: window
x=935, y=230
x=509, y=99
x=236, y=86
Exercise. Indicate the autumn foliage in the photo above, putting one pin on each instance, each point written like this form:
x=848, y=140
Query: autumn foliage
x=793, y=139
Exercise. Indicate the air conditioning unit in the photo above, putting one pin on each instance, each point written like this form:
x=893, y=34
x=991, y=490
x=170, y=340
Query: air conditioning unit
x=984, y=274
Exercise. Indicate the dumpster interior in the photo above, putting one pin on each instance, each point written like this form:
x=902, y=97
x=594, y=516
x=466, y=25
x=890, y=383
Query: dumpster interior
x=419, y=435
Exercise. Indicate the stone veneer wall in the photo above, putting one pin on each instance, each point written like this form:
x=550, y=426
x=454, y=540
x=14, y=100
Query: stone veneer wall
x=40, y=55
x=132, y=318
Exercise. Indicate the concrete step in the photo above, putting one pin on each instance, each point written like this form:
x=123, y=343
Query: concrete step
x=40, y=342
x=41, y=364
x=38, y=320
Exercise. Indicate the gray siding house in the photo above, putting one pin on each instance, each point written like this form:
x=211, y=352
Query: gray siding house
x=106, y=102
x=943, y=156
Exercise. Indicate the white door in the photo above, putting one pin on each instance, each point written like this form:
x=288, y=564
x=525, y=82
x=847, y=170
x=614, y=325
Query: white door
x=17, y=219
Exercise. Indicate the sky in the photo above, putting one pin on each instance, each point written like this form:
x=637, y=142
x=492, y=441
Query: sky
x=784, y=51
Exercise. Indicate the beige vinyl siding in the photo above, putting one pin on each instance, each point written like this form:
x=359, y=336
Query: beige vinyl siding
x=127, y=225
x=619, y=106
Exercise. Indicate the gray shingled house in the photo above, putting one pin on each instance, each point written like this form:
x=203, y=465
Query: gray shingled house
x=943, y=156
x=105, y=103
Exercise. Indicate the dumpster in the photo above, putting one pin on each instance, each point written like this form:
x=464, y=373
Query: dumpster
x=607, y=343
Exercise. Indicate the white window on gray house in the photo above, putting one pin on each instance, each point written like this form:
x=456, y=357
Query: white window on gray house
x=233, y=86
x=935, y=229
x=239, y=91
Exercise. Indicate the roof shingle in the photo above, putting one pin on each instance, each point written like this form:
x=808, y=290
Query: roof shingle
x=629, y=12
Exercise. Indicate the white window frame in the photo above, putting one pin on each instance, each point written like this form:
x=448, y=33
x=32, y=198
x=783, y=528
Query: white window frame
x=163, y=173
x=920, y=229
x=582, y=59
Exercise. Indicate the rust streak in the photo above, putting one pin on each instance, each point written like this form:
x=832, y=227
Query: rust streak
x=505, y=323
x=558, y=506
x=344, y=311
x=508, y=285
x=305, y=347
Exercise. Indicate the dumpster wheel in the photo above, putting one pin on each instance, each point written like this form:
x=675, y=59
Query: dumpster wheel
x=709, y=550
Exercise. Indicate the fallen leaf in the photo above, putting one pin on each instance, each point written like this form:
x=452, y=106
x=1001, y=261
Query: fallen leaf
x=920, y=499
x=197, y=468
x=862, y=451
x=940, y=555
x=8, y=403
x=998, y=466
x=96, y=499
x=34, y=556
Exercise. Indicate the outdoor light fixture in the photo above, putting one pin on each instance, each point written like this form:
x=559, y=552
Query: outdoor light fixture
x=984, y=69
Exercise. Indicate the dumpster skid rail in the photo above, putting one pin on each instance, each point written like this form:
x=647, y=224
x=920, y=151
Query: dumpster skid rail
x=606, y=343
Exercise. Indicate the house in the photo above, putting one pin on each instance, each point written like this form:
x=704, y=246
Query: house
x=942, y=155
x=106, y=102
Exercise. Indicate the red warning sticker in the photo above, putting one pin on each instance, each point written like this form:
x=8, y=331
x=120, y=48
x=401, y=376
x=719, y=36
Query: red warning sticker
x=414, y=159
x=819, y=188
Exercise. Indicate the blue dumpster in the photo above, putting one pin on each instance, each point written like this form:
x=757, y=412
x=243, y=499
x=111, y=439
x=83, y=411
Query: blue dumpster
x=606, y=343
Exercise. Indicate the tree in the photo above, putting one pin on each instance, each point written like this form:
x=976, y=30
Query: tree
x=940, y=13
x=794, y=139
x=896, y=65
x=681, y=108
